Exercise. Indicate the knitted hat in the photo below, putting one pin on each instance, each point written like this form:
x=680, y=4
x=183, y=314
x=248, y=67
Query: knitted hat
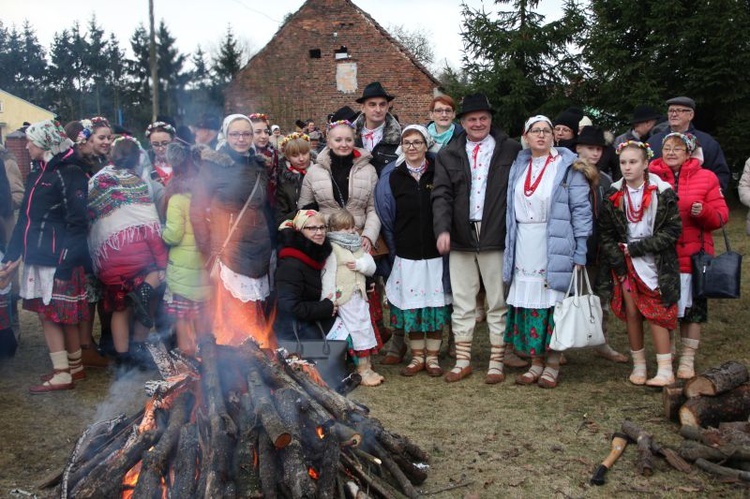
x=568, y=119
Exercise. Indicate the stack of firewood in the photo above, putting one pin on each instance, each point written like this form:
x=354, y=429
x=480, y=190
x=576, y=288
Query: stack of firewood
x=243, y=422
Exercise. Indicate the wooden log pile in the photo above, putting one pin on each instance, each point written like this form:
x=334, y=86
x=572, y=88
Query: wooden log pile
x=242, y=423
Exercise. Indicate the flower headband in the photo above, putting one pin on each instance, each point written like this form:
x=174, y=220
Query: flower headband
x=293, y=136
x=334, y=124
x=635, y=143
x=258, y=117
x=123, y=138
x=86, y=131
x=166, y=127
x=99, y=122
x=687, y=138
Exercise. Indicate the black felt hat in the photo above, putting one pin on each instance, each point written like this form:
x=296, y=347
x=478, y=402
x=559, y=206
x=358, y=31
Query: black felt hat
x=345, y=113
x=475, y=102
x=591, y=136
x=644, y=113
x=208, y=122
x=374, y=89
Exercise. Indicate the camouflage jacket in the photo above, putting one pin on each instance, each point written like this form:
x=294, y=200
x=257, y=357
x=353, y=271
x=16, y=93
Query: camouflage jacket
x=613, y=229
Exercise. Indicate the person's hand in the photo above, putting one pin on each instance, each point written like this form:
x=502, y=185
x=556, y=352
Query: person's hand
x=366, y=244
x=162, y=275
x=624, y=248
x=335, y=309
x=351, y=265
x=444, y=243
x=7, y=271
x=696, y=209
x=580, y=267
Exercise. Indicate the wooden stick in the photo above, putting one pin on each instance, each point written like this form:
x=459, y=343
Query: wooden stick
x=645, y=461
x=722, y=470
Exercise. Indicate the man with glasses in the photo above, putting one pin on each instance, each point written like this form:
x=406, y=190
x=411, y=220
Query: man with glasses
x=680, y=113
x=469, y=201
x=376, y=128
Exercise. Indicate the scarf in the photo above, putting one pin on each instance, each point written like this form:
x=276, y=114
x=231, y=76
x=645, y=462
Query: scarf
x=299, y=221
x=443, y=137
x=346, y=240
x=119, y=205
x=49, y=136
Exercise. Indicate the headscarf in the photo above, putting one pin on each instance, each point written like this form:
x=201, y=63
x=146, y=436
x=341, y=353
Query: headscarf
x=222, y=138
x=687, y=138
x=428, y=139
x=536, y=119
x=299, y=220
x=49, y=136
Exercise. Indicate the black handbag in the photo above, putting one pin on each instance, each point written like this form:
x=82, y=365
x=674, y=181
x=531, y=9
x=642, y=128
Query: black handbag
x=716, y=276
x=329, y=356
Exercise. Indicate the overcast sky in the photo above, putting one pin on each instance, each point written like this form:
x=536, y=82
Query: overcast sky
x=205, y=23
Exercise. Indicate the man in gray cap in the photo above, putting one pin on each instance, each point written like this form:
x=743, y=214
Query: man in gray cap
x=680, y=113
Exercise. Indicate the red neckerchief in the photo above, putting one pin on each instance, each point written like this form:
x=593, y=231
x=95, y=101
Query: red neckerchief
x=296, y=170
x=302, y=257
x=528, y=188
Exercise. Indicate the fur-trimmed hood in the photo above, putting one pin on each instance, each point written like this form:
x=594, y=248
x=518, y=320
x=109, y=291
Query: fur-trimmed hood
x=591, y=172
x=219, y=158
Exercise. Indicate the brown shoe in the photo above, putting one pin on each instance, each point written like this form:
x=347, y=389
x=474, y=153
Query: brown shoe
x=454, y=376
x=513, y=360
x=494, y=378
x=548, y=380
x=90, y=357
x=413, y=368
x=529, y=377
x=394, y=358
x=79, y=376
x=434, y=371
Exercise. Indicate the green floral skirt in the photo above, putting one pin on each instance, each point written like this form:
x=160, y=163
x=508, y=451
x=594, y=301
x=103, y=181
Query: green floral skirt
x=420, y=320
x=529, y=329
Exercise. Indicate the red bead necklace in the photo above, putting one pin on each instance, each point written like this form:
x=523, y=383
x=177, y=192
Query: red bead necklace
x=528, y=187
x=634, y=215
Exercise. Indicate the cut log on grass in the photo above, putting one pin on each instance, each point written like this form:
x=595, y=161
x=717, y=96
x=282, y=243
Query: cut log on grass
x=645, y=461
x=693, y=451
x=723, y=471
x=717, y=380
x=710, y=411
x=672, y=397
x=737, y=433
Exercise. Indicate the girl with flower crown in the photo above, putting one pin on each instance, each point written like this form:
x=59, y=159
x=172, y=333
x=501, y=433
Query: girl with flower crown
x=639, y=226
x=297, y=159
x=703, y=209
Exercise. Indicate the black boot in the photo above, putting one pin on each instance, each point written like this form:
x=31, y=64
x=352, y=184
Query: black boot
x=123, y=364
x=140, y=297
x=142, y=357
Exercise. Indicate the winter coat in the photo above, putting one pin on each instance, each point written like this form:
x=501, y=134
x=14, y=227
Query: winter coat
x=224, y=184
x=744, y=191
x=317, y=187
x=287, y=193
x=694, y=185
x=569, y=223
x=385, y=150
x=15, y=178
x=186, y=274
x=713, y=156
x=450, y=195
x=299, y=285
x=52, y=224
x=6, y=206
x=599, y=183
x=613, y=227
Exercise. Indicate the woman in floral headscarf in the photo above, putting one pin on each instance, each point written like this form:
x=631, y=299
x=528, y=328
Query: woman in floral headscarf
x=92, y=140
x=50, y=236
x=703, y=209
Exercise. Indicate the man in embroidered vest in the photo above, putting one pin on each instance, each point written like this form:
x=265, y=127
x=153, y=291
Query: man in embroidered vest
x=469, y=204
x=376, y=129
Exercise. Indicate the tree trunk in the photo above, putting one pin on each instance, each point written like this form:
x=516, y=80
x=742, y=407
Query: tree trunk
x=710, y=411
x=672, y=397
x=717, y=380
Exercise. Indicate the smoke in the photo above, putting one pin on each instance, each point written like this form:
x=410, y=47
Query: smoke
x=126, y=395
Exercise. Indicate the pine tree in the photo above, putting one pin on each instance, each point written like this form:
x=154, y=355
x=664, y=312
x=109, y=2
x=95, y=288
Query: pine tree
x=171, y=77
x=229, y=61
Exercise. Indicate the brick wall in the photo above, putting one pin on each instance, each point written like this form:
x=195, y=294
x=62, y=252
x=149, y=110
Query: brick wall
x=285, y=82
x=16, y=143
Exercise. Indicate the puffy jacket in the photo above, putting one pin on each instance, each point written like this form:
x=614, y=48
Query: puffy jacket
x=52, y=223
x=186, y=274
x=317, y=187
x=224, y=184
x=569, y=224
x=744, y=191
x=694, y=184
x=287, y=193
x=385, y=150
x=450, y=195
x=299, y=285
x=613, y=229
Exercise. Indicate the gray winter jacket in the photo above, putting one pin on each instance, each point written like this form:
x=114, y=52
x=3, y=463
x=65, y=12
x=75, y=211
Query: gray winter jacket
x=569, y=224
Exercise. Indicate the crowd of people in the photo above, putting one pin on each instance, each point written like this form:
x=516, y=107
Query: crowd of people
x=238, y=230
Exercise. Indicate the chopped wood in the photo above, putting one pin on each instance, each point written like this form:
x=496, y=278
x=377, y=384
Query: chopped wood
x=186, y=463
x=692, y=451
x=645, y=461
x=710, y=411
x=717, y=380
x=673, y=397
x=723, y=471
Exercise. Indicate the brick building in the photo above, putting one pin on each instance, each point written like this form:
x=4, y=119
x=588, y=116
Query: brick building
x=321, y=59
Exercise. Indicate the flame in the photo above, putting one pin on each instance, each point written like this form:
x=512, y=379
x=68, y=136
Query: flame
x=313, y=474
x=149, y=421
x=314, y=374
x=234, y=321
x=130, y=480
x=321, y=432
x=256, y=459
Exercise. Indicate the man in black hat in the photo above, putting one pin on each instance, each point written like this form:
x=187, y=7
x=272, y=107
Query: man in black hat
x=207, y=130
x=644, y=120
x=680, y=113
x=376, y=128
x=469, y=200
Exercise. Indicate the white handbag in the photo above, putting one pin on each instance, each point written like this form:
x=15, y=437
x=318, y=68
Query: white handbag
x=578, y=318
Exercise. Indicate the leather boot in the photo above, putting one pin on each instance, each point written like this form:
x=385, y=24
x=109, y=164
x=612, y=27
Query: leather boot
x=396, y=349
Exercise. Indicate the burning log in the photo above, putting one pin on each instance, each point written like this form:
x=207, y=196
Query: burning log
x=246, y=458
x=717, y=380
x=733, y=405
x=186, y=463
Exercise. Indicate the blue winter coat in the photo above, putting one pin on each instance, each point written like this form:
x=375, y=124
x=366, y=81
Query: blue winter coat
x=569, y=224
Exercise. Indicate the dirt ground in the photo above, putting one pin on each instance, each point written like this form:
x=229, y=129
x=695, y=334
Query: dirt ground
x=485, y=441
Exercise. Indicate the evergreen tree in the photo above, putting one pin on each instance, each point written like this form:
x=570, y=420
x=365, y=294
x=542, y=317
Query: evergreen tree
x=137, y=107
x=171, y=77
x=96, y=65
x=229, y=61
x=62, y=93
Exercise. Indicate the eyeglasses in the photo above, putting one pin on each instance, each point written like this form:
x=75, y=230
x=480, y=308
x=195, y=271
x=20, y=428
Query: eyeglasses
x=561, y=128
x=447, y=110
x=671, y=150
x=678, y=111
x=237, y=135
x=315, y=228
x=416, y=144
x=540, y=131
x=163, y=143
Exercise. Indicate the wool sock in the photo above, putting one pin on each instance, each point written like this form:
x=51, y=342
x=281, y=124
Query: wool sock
x=433, y=349
x=417, y=357
x=497, y=354
x=74, y=361
x=638, y=376
x=61, y=374
x=686, y=370
x=664, y=375
x=463, y=355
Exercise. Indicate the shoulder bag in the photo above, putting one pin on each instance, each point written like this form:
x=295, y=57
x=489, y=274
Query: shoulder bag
x=329, y=356
x=716, y=276
x=578, y=318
